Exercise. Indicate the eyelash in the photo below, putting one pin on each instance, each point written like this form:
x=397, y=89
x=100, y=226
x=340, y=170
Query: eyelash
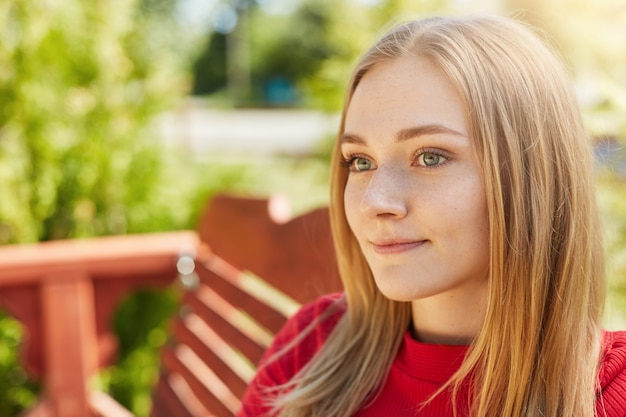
x=432, y=151
x=347, y=161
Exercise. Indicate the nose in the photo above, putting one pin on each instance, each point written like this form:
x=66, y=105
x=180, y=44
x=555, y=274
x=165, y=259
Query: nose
x=386, y=194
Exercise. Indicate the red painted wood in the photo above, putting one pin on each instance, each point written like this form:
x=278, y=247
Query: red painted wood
x=225, y=282
x=198, y=386
x=111, y=257
x=189, y=338
x=102, y=405
x=232, y=335
x=296, y=257
x=172, y=397
x=70, y=339
x=64, y=293
x=117, y=265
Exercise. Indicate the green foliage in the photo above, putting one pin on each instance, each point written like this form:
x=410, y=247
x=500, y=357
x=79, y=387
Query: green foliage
x=141, y=324
x=79, y=85
x=211, y=66
x=301, y=46
x=348, y=31
x=17, y=392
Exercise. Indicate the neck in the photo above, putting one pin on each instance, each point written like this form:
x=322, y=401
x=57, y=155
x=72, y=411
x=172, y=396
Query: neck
x=448, y=320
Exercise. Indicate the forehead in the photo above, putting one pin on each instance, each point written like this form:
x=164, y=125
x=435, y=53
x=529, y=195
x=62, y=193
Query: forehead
x=404, y=92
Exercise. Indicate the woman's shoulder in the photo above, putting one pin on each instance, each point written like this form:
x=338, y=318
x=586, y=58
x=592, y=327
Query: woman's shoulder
x=317, y=319
x=612, y=374
x=326, y=305
x=305, y=332
x=294, y=345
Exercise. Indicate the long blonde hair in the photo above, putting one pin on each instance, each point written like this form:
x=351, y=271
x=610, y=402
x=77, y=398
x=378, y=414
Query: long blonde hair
x=537, y=351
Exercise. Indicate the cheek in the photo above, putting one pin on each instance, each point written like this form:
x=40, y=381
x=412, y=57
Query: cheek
x=480, y=212
x=478, y=218
x=468, y=212
x=351, y=200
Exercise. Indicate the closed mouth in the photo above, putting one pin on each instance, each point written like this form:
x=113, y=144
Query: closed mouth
x=392, y=247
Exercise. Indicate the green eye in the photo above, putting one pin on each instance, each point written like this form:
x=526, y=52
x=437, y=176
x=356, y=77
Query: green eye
x=430, y=159
x=362, y=164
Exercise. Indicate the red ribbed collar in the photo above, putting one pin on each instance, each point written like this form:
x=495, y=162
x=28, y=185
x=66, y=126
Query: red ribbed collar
x=435, y=363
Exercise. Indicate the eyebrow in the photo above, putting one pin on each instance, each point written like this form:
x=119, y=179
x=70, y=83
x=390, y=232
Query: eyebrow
x=406, y=134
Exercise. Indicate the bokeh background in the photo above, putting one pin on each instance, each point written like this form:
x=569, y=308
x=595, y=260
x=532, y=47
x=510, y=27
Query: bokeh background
x=126, y=116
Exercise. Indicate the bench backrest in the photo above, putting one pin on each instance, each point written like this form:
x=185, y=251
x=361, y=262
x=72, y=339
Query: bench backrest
x=255, y=270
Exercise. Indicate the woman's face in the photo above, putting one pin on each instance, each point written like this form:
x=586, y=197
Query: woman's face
x=414, y=197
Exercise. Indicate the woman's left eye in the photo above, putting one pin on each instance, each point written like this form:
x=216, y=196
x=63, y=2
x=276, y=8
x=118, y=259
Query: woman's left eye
x=430, y=159
x=361, y=164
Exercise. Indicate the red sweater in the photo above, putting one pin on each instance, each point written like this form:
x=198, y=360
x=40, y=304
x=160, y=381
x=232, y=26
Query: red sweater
x=418, y=370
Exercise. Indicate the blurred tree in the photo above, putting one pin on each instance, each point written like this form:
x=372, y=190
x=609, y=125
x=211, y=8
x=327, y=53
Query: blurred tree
x=79, y=84
x=289, y=61
x=225, y=60
x=306, y=57
x=352, y=26
x=210, y=67
x=297, y=52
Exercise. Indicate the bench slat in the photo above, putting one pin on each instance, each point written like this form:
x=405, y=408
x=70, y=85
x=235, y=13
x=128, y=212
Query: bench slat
x=172, y=398
x=231, y=335
x=216, y=406
x=267, y=316
x=229, y=377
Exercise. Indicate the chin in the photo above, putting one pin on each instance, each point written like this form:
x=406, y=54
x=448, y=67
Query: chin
x=404, y=291
x=396, y=294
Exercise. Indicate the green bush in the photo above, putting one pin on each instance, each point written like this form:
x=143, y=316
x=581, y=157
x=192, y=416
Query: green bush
x=142, y=326
x=16, y=391
x=80, y=85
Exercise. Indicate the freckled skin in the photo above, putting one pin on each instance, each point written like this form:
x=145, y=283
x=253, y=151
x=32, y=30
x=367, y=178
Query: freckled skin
x=417, y=205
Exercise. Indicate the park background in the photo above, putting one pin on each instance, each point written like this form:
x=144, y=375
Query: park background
x=126, y=116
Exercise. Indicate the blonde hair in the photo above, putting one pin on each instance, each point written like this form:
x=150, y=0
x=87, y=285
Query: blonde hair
x=537, y=351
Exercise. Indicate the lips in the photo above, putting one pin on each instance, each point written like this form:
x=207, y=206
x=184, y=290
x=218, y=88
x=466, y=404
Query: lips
x=389, y=247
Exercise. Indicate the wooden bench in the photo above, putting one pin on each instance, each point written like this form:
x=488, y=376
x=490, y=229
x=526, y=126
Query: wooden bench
x=244, y=271
x=229, y=315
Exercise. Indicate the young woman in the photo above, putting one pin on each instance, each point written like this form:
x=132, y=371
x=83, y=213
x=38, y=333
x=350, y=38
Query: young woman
x=467, y=237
